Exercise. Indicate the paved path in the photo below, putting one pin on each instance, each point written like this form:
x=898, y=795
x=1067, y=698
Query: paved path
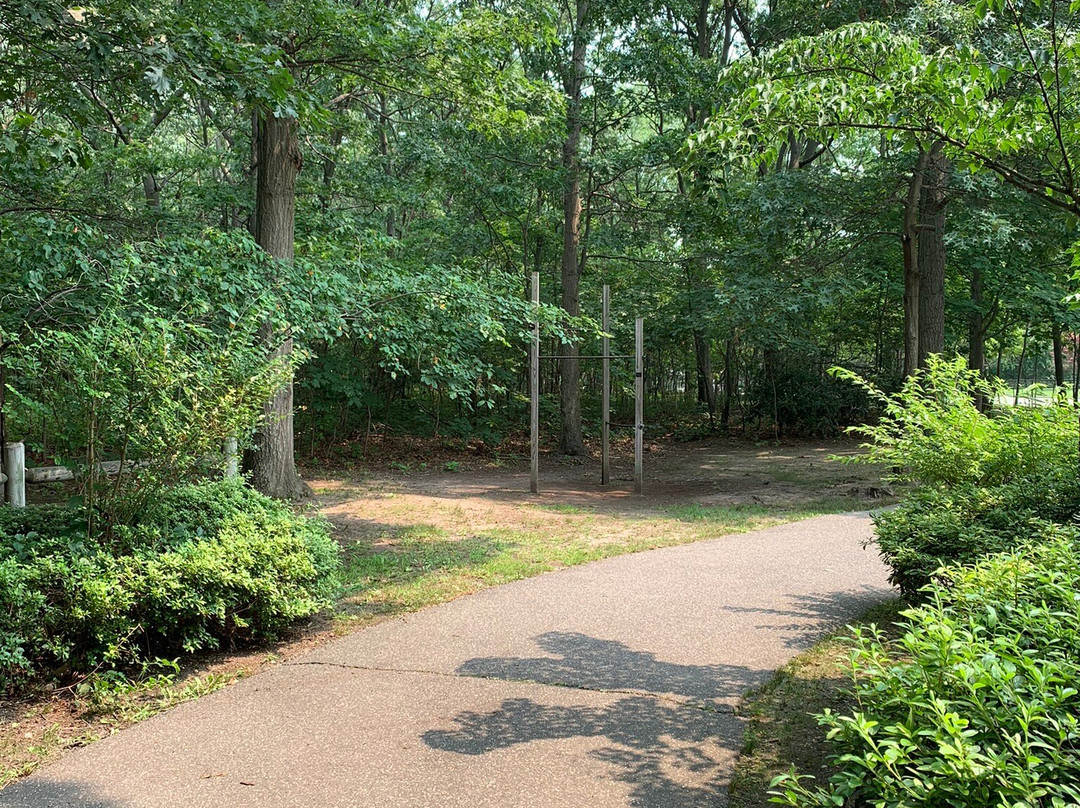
x=610, y=684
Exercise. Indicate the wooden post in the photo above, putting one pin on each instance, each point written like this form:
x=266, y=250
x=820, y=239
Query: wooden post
x=232, y=464
x=534, y=390
x=605, y=407
x=15, y=469
x=639, y=402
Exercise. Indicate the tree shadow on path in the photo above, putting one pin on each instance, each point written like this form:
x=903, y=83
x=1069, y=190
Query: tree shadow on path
x=578, y=660
x=45, y=792
x=672, y=753
x=813, y=616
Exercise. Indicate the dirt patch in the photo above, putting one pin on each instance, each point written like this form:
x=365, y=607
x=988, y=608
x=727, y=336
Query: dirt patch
x=487, y=493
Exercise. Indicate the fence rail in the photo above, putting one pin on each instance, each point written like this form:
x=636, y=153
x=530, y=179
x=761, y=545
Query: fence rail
x=15, y=475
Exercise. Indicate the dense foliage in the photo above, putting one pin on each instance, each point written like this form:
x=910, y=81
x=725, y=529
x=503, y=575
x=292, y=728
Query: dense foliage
x=988, y=477
x=204, y=564
x=976, y=704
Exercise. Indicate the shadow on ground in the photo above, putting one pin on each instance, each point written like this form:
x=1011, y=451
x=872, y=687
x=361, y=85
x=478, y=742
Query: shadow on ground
x=577, y=660
x=46, y=793
x=669, y=755
x=671, y=752
x=812, y=616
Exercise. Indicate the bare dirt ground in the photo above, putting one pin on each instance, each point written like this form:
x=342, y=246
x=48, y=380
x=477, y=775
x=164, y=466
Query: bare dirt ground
x=414, y=501
x=478, y=493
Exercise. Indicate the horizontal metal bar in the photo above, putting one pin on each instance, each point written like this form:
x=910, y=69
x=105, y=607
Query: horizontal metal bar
x=588, y=356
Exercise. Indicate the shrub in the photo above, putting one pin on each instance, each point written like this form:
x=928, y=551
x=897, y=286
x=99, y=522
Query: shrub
x=208, y=563
x=938, y=526
x=801, y=400
x=990, y=481
x=931, y=432
x=977, y=706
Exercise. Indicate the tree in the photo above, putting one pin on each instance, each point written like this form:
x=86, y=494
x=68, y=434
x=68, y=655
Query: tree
x=272, y=464
x=573, y=256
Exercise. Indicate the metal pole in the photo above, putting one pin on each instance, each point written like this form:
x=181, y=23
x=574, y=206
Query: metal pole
x=605, y=408
x=534, y=390
x=639, y=402
x=15, y=469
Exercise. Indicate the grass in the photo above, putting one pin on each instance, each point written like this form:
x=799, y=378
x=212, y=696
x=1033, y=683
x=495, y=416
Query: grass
x=413, y=566
x=781, y=730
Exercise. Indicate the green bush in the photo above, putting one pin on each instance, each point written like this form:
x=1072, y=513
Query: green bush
x=977, y=706
x=989, y=480
x=938, y=526
x=800, y=400
x=208, y=563
x=932, y=433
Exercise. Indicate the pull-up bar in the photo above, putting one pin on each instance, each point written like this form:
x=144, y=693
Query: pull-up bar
x=586, y=356
x=605, y=424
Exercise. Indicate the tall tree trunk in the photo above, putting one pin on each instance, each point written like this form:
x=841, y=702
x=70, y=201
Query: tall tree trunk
x=910, y=240
x=1020, y=367
x=706, y=385
x=272, y=464
x=706, y=388
x=931, y=260
x=730, y=381
x=570, y=438
x=388, y=168
x=702, y=33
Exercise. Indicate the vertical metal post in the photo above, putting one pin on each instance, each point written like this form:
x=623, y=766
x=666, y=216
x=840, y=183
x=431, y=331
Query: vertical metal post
x=605, y=407
x=639, y=402
x=534, y=389
x=15, y=469
x=232, y=465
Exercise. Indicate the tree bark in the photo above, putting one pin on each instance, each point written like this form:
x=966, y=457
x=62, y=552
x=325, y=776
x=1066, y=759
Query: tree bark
x=1059, y=357
x=272, y=464
x=706, y=386
x=730, y=381
x=910, y=240
x=702, y=34
x=388, y=168
x=570, y=439
x=931, y=255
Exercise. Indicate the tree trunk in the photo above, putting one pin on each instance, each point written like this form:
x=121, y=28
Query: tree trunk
x=1020, y=368
x=1059, y=357
x=706, y=386
x=730, y=381
x=570, y=440
x=910, y=239
x=931, y=260
x=388, y=168
x=152, y=191
x=697, y=287
x=272, y=464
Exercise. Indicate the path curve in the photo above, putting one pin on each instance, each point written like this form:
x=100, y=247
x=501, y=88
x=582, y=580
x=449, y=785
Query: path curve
x=606, y=685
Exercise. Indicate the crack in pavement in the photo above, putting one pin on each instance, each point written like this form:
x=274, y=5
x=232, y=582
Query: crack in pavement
x=664, y=697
